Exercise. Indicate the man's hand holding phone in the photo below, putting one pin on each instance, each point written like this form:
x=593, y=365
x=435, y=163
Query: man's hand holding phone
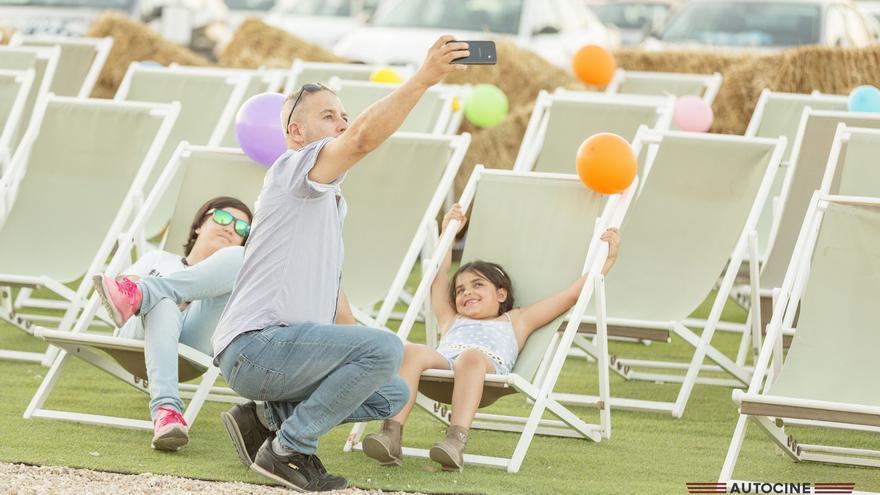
x=438, y=62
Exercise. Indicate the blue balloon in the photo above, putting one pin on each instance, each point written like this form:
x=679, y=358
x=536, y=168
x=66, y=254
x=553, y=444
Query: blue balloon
x=864, y=99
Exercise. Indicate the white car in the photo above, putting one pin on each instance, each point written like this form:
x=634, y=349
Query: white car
x=239, y=10
x=635, y=19
x=60, y=17
x=322, y=22
x=403, y=30
x=765, y=25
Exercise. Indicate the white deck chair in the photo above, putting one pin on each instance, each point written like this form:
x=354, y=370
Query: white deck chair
x=80, y=63
x=808, y=161
x=779, y=114
x=665, y=83
x=395, y=195
x=302, y=72
x=433, y=114
x=208, y=102
x=43, y=61
x=829, y=375
x=703, y=190
x=852, y=164
x=202, y=173
x=15, y=85
x=107, y=150
x=543, y=229
x=561, y=121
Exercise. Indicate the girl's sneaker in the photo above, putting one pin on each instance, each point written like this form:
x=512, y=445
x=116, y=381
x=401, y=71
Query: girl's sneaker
x=122, y=298
x=170, y=431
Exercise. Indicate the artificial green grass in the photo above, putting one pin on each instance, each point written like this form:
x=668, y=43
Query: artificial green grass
x=648, y=453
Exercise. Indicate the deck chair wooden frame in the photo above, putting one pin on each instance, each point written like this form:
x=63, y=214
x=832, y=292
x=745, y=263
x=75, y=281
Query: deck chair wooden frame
x=544, y=353
x=710, y=162
x=15, y=85
x=705, y=86
x=202, y=173
x=418, y=171
x=433, y=114
x=802, y=175
x=831, y=282
x=101, y=178
x=549, y=136
x=80, y=71
x=208, y=99
x=44, y=62
x=302, y=72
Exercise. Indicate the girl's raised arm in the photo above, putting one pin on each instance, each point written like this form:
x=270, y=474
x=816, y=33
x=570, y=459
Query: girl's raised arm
x=444, y=308
x=536, y=315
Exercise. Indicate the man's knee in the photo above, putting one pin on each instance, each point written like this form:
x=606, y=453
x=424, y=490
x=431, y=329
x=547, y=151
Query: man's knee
x=388, y=348
x=398, y=395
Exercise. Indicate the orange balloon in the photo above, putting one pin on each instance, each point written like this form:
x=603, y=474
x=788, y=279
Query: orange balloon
x=594, y=65
x=606, y=163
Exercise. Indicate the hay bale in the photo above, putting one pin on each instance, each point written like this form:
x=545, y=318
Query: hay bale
x=5, y=34
x=691, y=62
x=257, y=44
x=829, y=70
x=520, y=73
x=134, y=41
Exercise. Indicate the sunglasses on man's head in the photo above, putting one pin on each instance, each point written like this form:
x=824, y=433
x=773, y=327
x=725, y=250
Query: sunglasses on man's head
x=223, y=217
x=311, y=88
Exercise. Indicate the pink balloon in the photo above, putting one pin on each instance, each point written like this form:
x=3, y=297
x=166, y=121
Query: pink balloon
x=258, y=128
x=692, y=114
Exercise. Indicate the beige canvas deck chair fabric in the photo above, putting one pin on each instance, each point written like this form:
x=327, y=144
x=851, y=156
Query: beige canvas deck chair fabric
x=808, y=162
x=43, y=61
x=395, y=195
x=107, y=149
x=705, y=86
x=15, y=85
x=829, y=375
x=852, y=164
x=433, y=114
x=703, y=190
x=542, y=229
x=302, y=72
x=80, y=62
x=202, y=173
x=561, y=121
x=779, y=114
x=208, y=102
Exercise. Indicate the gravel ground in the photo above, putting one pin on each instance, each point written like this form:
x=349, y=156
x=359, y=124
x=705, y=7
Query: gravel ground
x=21, y=479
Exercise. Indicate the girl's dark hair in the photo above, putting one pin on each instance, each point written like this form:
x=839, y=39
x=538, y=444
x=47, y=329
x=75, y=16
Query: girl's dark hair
x=494, y=273
x=217, y=203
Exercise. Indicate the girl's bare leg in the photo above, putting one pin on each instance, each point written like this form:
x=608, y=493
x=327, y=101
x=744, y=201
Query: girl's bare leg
x=416, y=359
x=470, y=368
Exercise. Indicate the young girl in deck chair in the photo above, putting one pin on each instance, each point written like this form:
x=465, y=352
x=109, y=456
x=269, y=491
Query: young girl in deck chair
x=175, y=300
x=482, y=333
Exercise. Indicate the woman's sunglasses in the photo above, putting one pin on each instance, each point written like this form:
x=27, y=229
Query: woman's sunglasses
x=223, y=217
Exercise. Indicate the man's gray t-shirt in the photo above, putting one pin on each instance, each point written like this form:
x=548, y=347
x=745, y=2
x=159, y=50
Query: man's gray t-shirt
x=293, y=257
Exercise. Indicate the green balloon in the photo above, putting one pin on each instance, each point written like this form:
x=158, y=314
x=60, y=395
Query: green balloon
x=485, y=106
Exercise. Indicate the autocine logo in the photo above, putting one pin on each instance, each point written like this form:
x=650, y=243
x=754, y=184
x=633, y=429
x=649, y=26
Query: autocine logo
x=770, y=488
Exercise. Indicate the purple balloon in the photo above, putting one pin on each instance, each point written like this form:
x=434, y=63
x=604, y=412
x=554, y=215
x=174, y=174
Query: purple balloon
x=258, y=129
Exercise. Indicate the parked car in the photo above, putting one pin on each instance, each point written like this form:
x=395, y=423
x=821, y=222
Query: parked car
x=765, y=24
x=60, y=17
x=402, y=30
x=869, y=8
x=322, y=22
x=239, y=10
x=634, y=19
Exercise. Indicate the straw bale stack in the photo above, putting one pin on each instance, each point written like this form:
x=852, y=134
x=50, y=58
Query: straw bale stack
x=5, y=34
x=134, y=41
x=257, y=44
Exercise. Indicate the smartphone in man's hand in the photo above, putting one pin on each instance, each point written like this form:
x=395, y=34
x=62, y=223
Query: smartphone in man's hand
x=482, y=53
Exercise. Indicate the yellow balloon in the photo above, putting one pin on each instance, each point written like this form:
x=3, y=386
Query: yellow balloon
x=385, y=75
x=456, y=104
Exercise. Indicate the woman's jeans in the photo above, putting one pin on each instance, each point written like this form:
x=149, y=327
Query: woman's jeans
x=314, y=377
x=162, y=325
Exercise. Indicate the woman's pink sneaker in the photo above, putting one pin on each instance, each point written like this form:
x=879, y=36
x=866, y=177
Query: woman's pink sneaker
x=122, y=298
x=170, y=431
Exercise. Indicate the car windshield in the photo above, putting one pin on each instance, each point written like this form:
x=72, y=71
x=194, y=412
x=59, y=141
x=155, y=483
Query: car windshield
x=261, y=5
x=745, y=24
x=88, y=4
x=494, y=16
x=630, y=15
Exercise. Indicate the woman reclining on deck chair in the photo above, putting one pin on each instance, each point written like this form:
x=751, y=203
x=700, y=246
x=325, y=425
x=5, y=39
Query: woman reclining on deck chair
x=179, y=308
x=482, y=333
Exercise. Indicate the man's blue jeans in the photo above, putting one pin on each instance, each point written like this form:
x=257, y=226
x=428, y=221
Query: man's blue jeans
x=314, y=377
